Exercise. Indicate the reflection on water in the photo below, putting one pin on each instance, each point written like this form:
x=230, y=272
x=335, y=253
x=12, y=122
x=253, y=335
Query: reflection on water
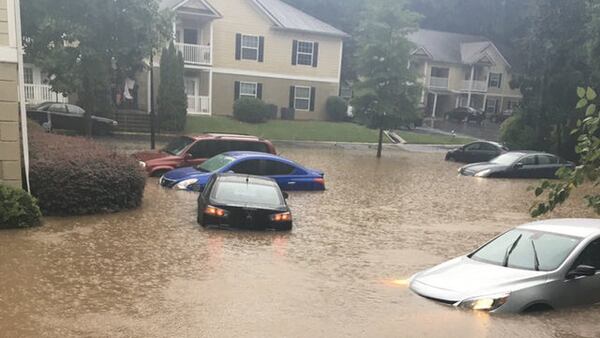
x=341, y=272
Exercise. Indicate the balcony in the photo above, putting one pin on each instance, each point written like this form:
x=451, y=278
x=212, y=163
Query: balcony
x=39, y=93
x=438, y=82
x=198, y=104
x=478, y=86
x=195, y=54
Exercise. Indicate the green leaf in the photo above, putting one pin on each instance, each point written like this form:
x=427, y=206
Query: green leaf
x=591, y=109
x=591, y=94
x=582, y=103
x=539, y=191
x=581, y=92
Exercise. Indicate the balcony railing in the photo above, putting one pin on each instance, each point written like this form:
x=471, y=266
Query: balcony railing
x=198, y=104
x=478, y=86
x=39, y=93
x=194, y=54
x=438, y=82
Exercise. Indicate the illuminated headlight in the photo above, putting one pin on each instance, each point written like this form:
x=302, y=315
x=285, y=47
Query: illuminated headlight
x=484, y=173
x=142, y=164
x=488, y=303
x=183, y=185
x=115, y=123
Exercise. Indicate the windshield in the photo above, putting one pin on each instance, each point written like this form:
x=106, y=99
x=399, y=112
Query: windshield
x=524, y=249
x=215, y=163
x=177, y=146
x=506, y=159
x=238, y=193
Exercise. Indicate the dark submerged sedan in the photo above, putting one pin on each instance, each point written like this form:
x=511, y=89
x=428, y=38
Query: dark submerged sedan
x=56, y=115
x=481, y=151
x=243, y=201
x=518, y=164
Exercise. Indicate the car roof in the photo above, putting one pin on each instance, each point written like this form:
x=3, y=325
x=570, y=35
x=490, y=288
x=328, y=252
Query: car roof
x=255, y=154
x=489, y=142
x=249, y=179
x=224, y=136
x=577, y=227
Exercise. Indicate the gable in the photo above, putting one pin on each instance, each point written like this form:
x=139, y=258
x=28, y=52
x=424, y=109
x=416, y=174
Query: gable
x=421, y=52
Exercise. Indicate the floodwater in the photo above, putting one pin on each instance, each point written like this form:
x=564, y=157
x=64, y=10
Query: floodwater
x=342, y=271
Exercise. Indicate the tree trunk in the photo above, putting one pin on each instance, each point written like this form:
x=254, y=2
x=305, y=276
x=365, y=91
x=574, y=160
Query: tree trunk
x=380, y=144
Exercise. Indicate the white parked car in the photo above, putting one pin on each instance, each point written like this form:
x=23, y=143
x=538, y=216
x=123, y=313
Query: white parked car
x=537, y=266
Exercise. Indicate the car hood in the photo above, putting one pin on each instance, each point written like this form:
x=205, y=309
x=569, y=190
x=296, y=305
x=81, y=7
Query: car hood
x=474, y=168
x=185, y=173
x=146, y=156
x=464, y=278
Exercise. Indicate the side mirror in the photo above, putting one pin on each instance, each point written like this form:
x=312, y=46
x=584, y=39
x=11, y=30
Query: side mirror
x=582, y=271
x=285, y=195
x=518, y=165
x=187, y=156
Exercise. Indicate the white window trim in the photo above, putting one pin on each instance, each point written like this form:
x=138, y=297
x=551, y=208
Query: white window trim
x=312, y=54
x=242, y=47
x=302, y=98
x=497, y=82
x=487, y=105
x=27, y=69
x=255, y=84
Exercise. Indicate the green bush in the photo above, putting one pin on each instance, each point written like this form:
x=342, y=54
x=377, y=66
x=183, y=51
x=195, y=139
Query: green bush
x=516, y=134
x=18, y=209
x=77, y=176
x=250, y=110
x=337, y=109
x=172, y=100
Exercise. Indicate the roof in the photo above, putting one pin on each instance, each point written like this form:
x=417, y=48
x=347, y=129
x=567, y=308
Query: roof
x=578, y=227
x=246, y=154
x=226, y=136
x=287, y=17
x=198, y=6
x=452, y=47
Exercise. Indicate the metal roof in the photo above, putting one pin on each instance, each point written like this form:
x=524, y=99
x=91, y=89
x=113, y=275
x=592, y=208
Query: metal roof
x=578, y=227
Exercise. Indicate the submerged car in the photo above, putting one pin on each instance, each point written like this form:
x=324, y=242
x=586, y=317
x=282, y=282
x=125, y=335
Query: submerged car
x=480, y=151
x=537, y=266
x=288, y=174
x=518, y=164
x=244, y=201
x=186, y=151
x=57, y=115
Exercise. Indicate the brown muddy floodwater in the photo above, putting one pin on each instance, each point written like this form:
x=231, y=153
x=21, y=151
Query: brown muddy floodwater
x=153, y=272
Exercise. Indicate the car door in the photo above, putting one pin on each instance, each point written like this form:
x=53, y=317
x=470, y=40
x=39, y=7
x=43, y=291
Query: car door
x=472, y=153
x=526, y=167
x=248, y=167
x=283, y=174
x=488, y=152
x=583, y=290
x=59, y=115
x=201, y=151
x=75, y=118
x=548, y=165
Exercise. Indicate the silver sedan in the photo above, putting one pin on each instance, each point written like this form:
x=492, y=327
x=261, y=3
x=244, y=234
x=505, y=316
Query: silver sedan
x=537, y=266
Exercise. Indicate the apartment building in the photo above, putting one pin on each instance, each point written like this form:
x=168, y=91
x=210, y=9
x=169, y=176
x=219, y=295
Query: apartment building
x=462, y=71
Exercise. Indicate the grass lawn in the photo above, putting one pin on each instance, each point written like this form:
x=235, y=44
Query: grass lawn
x=305, y=131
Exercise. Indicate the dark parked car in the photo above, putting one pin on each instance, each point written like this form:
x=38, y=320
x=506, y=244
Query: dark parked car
x=244, y=201
x=518, y=164
x=465, y=114
x=55, y=115
x=476, y=152
x=187, y=151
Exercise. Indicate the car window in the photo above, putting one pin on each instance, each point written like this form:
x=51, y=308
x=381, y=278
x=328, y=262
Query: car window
x=177, y=146
x=547, y=159
x=472, y=147
x=248, y=167
x=506, y=159
x=59, y=108
x=488, y=147
x=242, y=193
x=590, y=255
x=215, y=163
x=73, y=109
x=528, y=160
x=249, y=146
x=205, y=149
x=273, y=168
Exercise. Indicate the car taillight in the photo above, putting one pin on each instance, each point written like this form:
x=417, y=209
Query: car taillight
x=319, y=180
x=214, y=211
x=282, y=217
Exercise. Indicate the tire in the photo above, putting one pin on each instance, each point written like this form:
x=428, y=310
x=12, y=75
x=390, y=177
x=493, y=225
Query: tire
x=158, y=173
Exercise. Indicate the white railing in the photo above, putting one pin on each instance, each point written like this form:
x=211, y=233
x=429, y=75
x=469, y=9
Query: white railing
x=198, y=104
x=195, y=54
x=478, y=86
x=438, y=82
x=38, y=93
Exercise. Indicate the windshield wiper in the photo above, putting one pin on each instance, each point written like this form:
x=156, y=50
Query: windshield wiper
x=535, y=257
x=510, y=250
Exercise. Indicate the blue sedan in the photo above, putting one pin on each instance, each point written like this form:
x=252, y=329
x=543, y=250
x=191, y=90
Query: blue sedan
x=289, y=175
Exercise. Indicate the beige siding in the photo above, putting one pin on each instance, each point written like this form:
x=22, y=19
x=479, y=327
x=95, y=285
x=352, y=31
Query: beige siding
x=3, y=23
x=275, y=91
x=10, y=147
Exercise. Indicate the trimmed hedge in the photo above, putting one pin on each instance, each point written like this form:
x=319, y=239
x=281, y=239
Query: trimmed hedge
x=337, y=109
x=77, y=176
x=18, y=209
x=251, y=110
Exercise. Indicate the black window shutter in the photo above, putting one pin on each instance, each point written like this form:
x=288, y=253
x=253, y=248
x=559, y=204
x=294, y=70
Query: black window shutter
x=500, y=80
x=294, y=52
x=236, y=90
x=259, y=89
x=315, y=54
x=313, y=91
x=238, y=46
x=261, y=49
x=292, y=96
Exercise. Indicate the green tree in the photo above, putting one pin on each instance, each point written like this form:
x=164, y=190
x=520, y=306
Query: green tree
x=588, y=172
x=88, y=47
x=172, y=100
x=386, y=94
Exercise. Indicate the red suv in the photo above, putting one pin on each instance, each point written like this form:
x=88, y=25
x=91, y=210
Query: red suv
x=187, y=151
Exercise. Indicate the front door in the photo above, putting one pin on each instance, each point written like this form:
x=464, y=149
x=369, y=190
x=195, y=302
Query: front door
x=583, y=290
x=190, y=36
x=191, y=90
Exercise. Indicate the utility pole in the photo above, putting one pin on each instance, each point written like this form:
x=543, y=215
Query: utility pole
x=380, y=144
x=152, y=113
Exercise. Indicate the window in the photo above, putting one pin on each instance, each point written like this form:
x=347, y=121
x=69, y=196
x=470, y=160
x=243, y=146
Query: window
x=304, y=56
x=247, y=146
x=547, y=159
x=302, y=98
x=250, y=45
x=491, y=106
x=528, y=160
x=473, y=147
x=58, y=108
x=205, y=149
x=590, y=255
x=440, y=72
x=190, y=36
x=274, y=168
x=495, y=80
x=250, y=167
x=248, y=89
x=28, y=74
x=241, y=193
x=75, y=110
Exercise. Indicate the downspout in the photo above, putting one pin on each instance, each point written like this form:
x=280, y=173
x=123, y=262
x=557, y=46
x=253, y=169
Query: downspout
x=21, y=82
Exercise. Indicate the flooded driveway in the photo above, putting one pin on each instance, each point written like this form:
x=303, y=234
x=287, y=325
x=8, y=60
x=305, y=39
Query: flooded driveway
x=342, y=271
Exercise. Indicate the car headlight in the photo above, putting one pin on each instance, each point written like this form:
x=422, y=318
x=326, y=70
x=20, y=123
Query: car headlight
x=487, y=303
x=142, y=164
x=483, y=173
x=183, y=185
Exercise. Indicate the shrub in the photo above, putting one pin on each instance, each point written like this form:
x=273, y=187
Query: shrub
x=516, y=134
x=337, y=109
x=250, y=110
x=172, y=100
x=77, y=176
x=18, y=209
